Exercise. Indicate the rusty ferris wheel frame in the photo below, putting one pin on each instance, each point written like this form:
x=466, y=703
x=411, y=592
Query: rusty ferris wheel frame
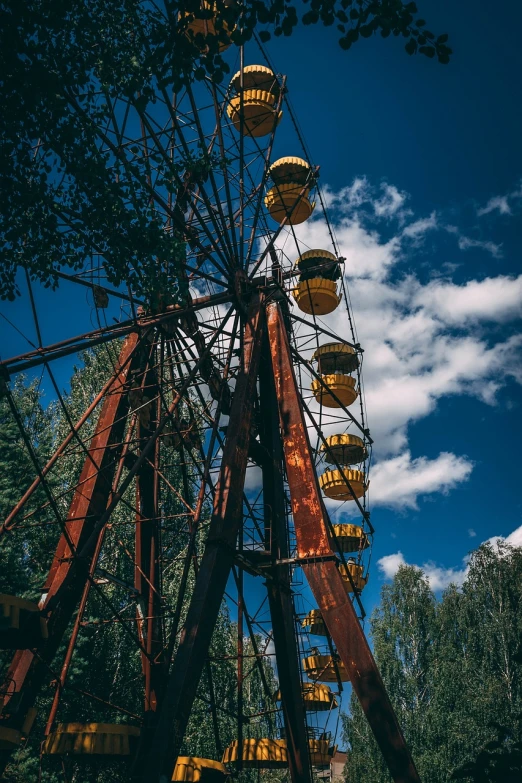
x=234, y=348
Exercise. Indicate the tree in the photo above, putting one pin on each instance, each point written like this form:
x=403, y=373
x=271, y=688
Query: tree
x=452, y=668
x=70, y=187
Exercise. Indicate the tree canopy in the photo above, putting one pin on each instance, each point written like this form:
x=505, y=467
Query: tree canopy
x=453, y=669
x=71, y=186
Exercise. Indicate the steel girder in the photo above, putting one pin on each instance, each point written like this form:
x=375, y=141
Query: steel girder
x=279, y=591
x=314, y=546
x=216, y=563
x=68, y=573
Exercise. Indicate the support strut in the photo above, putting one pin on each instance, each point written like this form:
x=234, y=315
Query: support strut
x=279, y=587
x=67, y=576
x=215, y=565
x=313, y=541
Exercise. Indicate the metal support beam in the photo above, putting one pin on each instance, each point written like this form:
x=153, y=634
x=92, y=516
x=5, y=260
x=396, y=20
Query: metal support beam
x=279, y=587
x=61, y=593
x=215, y=565
x=313, y=540
x=147, y=552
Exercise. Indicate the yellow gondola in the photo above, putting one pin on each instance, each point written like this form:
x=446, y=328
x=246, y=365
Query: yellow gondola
x=261, y=92
x=323, y=668
x=346, y=449
x=314, y=623
x=92, y=739
x=334, y=390
x=350, y=538
x=194, y=769
x=262, y=753
x=336, y=358
x=334, y=484
x=207, y=26
x=316, y=697
x=292, y=178
x=357, y=581
x=318, y=296
x=321, y=752
x=316, y=290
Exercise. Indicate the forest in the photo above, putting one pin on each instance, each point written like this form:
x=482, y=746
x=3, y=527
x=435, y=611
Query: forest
x=453, y=669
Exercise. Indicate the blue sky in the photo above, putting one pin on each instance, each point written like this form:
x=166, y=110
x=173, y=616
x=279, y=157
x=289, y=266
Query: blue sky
x=434, y=151
x=422, y=167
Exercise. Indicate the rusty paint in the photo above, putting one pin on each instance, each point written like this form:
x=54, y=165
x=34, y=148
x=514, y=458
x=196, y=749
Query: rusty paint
x=61, y=594
x=313, y=540
x=215, y=565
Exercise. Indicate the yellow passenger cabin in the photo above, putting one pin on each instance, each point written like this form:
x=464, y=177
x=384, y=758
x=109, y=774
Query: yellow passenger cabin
x=314, y=623
x=288, y=198
x=344, y=449
x=335, y=387
x=324, y=668
x=316, y=697
x=350, y=538
x=352, y=575
x=261, y=92
x=343, y=484
x=316, y=290
x=209, y=25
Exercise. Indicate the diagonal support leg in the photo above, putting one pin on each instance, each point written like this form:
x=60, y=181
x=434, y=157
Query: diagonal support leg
x=215, y=565
x=62, y=592
x=325, y=581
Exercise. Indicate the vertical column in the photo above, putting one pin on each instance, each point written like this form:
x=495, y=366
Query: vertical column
x=313, y=541
x=279, y=587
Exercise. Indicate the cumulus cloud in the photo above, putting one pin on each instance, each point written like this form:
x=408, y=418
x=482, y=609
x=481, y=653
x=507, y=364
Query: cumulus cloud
x=399, y=482
x=423, y=339
x=390, y=203
x=496, y=299
x=438, y=577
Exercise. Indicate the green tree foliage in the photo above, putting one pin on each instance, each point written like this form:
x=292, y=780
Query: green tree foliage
x=72, y=73
x=453, y=671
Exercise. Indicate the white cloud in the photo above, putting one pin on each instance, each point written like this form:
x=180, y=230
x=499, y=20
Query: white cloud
x=390, y=203
x=400, y=481
x=390, y=564
x=515, y=538
x=438, y=577
x=497, y=202
x=423, y=341
x=465, y=243
x=419, y=227
x=492, y=299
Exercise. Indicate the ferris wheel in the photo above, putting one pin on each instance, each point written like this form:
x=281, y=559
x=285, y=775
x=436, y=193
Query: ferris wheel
x=226, y=457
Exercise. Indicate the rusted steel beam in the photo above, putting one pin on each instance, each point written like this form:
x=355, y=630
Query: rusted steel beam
x=279, y=587
x=61, y=595
x=313, y=540
x=215, y=566
x=147, y=551
x=9, y=522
